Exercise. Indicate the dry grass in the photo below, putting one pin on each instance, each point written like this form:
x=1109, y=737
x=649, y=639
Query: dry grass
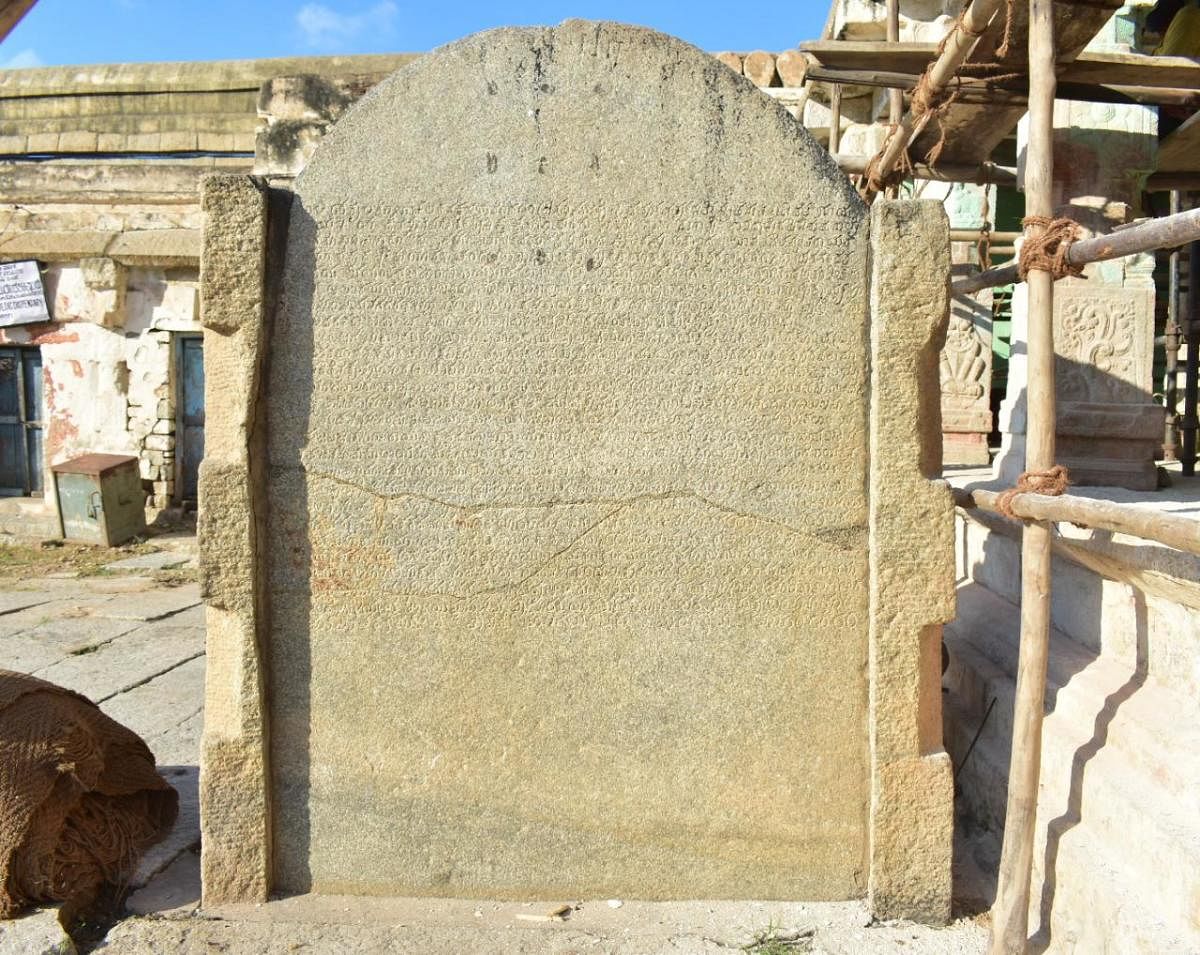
x=20, y=561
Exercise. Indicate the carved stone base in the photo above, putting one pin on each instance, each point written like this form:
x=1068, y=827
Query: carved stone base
x=1102, y=445
x=1108, y=428
x=966, y=380
x=965, y=448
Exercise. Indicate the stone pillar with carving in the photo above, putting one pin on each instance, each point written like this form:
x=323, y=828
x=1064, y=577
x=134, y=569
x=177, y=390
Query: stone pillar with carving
x=1109, y=428
x=966, y=359
x=966, y=373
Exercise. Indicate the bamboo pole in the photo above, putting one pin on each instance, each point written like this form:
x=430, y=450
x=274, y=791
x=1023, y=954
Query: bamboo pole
x=959, y=44
x=1173, y=530
x=974, y=235
x=971, y=90
x=1173, y=339
x=1191, y=389
x=835, y=118
x=1167, y=232
x=856, y=164
x=895, y=97
x=1010, y=914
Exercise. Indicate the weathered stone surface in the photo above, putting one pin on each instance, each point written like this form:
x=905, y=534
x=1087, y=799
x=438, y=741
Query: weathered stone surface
x=759, y=68
x=567, y=546
x=731, y=60
x=159, y=560
x=234, y=792
x=126, y=661
x=333, y=925
x=153, y=606
x=912, y=566
x=792, y=67
x=39, y=933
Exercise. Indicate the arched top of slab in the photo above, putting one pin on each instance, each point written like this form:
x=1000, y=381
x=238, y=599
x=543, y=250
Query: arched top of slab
x=581, y=111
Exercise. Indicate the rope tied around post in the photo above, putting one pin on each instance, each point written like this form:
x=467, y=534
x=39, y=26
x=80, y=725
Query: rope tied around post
x=1002, y=49
x=1051, y=483
x=931, y=102
x=1047, y=250
x=876, y=183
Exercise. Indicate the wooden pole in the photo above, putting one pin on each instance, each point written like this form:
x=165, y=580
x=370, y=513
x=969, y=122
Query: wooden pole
x=1167, y=232
x=971, y=90
x=835, y=118
x=1010, y=914
x=960, y=42
x=988, y=173
x=1172, y=336
x=895, y=97
x=1174, y=530
x=1191, y=388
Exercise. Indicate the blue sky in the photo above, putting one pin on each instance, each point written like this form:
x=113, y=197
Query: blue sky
x=58, y=32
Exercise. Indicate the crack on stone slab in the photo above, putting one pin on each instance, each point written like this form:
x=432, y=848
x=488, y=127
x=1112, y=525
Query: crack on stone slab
x=515, y=584
x=834, y=535
x=192, y=715
x=153, y=676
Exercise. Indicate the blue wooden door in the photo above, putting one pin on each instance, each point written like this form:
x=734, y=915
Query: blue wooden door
x=21, y=445
x=189, y=430
x=31, y=387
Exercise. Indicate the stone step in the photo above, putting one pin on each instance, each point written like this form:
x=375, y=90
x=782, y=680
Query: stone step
x=1111, y=618
x=1092, y=904
x=1156, y=729
x=975, y=681
x=1086, y=784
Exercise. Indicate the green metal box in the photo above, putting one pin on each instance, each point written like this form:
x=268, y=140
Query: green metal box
x=100, y=498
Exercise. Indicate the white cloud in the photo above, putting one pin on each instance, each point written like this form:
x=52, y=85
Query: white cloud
x=327, y=29
x=22, y=61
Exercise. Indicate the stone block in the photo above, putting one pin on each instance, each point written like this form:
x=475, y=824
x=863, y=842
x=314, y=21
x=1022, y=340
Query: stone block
x=759, y=68
x=160, y=442
x=630, y=541
x=731, y=60
x=792, y=67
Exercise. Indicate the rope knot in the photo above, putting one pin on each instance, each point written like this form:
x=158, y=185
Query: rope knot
x=1052, y=482
x=1047, y=250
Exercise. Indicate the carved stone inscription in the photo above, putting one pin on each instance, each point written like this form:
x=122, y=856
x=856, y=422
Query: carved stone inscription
x=568, y=533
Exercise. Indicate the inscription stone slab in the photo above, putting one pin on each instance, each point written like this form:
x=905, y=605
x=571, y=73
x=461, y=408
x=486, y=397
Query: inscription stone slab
x=565, y=533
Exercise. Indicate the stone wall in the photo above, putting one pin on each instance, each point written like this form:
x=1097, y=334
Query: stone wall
x=108, y=363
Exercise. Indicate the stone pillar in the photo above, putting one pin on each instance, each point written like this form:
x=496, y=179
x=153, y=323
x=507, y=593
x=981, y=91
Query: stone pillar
x=1109, y=428
x=966, y=358
x=966, y=378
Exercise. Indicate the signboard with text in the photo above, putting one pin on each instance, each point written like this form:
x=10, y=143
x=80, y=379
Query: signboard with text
x=22, y=295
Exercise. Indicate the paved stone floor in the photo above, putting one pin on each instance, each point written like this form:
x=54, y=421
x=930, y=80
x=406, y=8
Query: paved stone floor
x=129, y=634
